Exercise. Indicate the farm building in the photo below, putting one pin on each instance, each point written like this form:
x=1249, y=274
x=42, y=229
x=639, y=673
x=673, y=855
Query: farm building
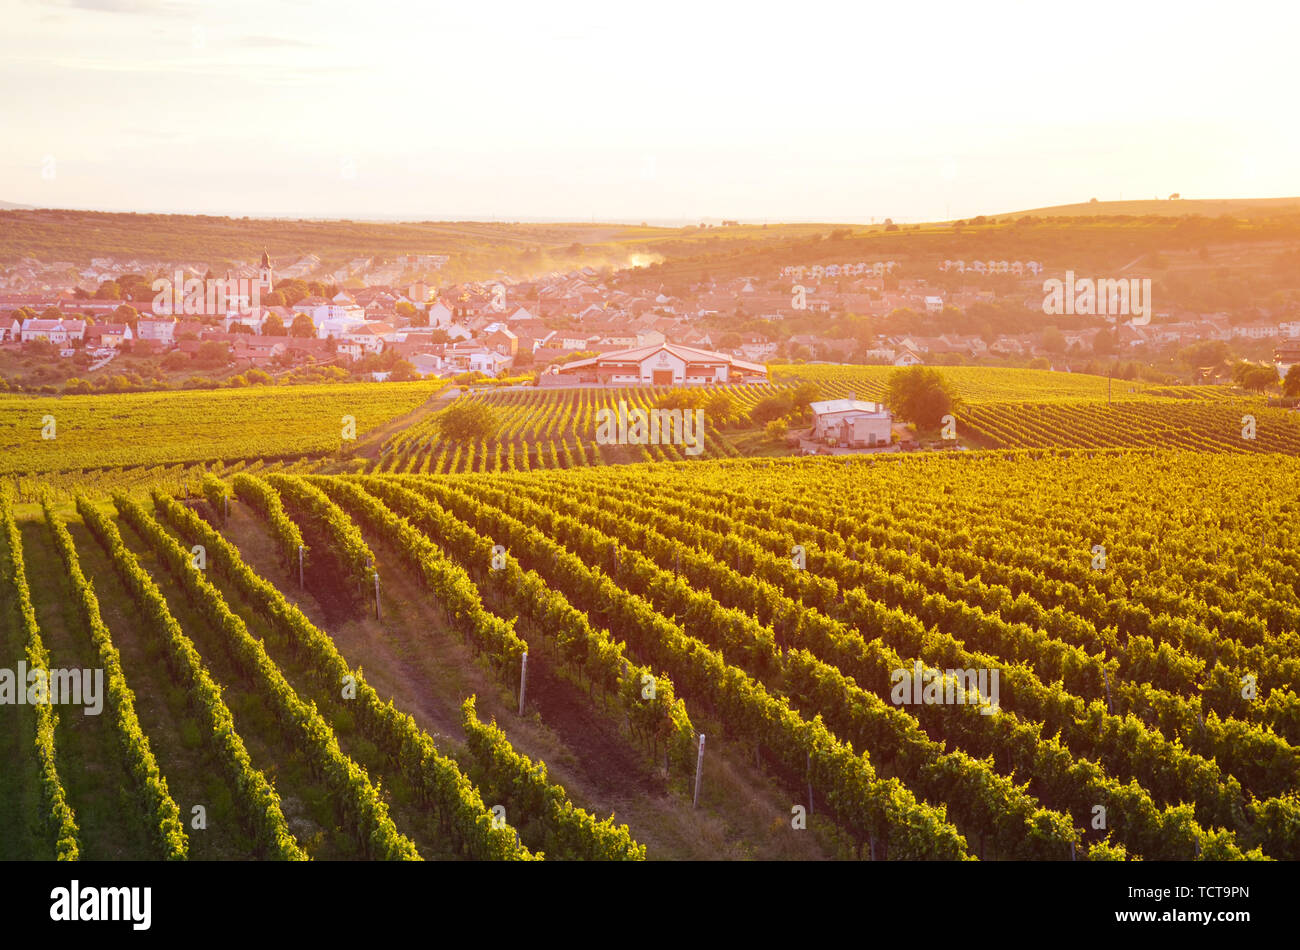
x=661, y=364
x=851, y=422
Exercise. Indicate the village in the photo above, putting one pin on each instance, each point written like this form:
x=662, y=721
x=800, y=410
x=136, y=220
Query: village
x=390, y=319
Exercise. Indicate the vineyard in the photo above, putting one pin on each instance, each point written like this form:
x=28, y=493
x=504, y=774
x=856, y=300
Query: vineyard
x=72, y=434
x=557, y=429
x=404, y=666
x=1222, y=425
x=540, y=429
x=983, y=384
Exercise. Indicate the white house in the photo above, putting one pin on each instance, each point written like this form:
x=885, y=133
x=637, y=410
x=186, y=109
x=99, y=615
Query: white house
x=52, y=331
x=160, y=329
x=933, y=304
x=1258, y=330
x=342, y=307
x=478, y=360
x=337, y=327
x=440, y=316
x=851, y=422
x=907, y=357
x=428, y=364
x=369, y=336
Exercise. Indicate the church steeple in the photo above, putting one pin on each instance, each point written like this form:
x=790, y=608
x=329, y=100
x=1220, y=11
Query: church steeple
x=266, y=274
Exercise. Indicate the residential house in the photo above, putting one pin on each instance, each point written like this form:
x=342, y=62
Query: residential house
x=905, y=356
x=108, y=335
x=502, y=341
x=161, y=330
x=1256, y=330
x=371, y=337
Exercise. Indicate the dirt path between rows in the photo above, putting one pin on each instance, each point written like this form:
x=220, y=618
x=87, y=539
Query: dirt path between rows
x=369, y=444
x=416, y=658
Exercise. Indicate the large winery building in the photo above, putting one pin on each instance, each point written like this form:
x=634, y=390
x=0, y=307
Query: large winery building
x=662, y=364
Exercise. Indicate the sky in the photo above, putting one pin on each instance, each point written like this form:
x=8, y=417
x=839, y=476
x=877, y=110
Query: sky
x=594, y=110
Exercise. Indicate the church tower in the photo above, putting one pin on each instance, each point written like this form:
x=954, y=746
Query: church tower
x=265, y=274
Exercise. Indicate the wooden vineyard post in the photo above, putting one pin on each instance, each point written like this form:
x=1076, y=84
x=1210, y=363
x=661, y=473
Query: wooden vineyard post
x=523, y=682
x=226, y=499
x=1106, y=680
x=378, y=614
x=302, y=584
x=808, y=773
x=699, y=773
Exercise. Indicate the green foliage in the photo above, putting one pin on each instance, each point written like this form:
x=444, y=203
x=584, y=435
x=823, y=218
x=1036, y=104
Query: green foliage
x=521, y=787
x=467, y=420
x=919, y=394
x=364, y=811
x=258, y=803
x=436, y=779
x=161, y=811
x=60, y=820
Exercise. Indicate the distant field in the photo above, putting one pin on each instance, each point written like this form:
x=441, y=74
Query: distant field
x=1210, y=207
x=147, y=429
x=477, y=249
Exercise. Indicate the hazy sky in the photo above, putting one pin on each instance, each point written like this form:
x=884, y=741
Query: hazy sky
x=810, y=110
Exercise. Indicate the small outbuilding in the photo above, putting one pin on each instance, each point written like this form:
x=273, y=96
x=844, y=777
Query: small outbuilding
x=852, y=423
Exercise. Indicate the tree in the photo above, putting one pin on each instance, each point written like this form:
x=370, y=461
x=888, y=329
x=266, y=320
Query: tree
x=402, y=371
x=1254, y=376
x=212, y=354
x=273, y=325
x=1040, y=362
x=175, y=360
x=1053, y=340
x=1291, y=384
x=303, y=327
x=720, y=409
x=467, y=421
x=404, y=308
x=771, y=407
x=681, y=399
x=919, y=394
x=1204, y=353
x=805, y=393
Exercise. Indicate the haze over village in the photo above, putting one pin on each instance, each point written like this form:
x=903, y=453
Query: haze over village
x=393, y=318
